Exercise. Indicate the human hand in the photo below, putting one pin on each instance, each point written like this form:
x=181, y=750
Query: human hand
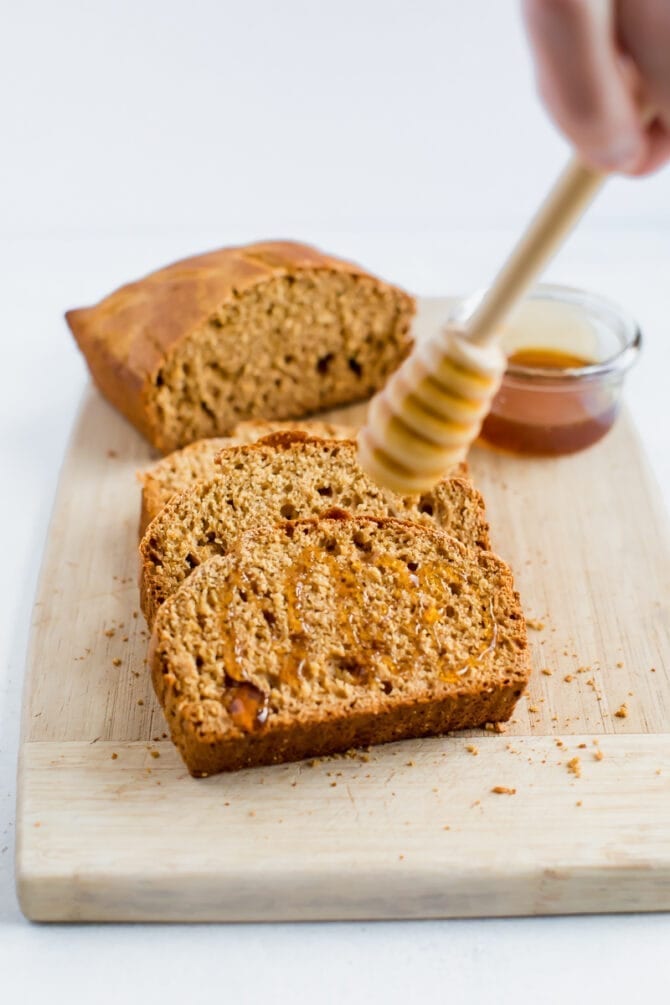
x=598, y=62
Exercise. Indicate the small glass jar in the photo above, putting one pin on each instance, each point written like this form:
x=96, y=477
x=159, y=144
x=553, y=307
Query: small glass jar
x=568, y=353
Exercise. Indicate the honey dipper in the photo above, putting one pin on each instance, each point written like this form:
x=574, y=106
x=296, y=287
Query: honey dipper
x=432, y=408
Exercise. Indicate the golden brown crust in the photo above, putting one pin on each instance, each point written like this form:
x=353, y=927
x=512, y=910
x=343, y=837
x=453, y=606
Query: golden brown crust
x=317, y=729
x=128, y=335
x=429, y=716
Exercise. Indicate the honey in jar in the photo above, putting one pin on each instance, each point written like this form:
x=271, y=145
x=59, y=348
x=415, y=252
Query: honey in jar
x=567, y=354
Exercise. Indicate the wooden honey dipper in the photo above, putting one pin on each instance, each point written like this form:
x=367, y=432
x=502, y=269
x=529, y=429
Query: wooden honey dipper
x=432, y=408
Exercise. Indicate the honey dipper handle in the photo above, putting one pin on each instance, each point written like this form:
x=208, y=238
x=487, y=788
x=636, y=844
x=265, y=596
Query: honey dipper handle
x=570, y=196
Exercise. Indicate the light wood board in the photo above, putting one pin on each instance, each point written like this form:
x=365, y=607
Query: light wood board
x=409, y=830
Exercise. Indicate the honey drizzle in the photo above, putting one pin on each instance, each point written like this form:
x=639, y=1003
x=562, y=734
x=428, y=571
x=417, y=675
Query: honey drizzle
x=433, y=585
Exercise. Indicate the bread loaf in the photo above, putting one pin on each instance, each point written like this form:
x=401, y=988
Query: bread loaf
x=288, y=475
x=180, y=469
x=314, y=636
x=275, y=330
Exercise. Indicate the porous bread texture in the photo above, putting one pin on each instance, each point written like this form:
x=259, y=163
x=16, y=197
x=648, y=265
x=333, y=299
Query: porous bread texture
x=276, y=330
x=285, y=477
x=314, y=636
x=180, y=469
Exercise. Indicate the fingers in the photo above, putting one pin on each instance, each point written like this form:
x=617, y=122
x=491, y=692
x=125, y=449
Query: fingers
x=583, y=82
x=657, y=152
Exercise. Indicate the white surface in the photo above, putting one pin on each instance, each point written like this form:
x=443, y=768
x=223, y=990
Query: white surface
x=405, y=135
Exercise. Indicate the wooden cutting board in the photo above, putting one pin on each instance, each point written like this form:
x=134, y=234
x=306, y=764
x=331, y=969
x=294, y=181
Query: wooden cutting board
x=111, y=827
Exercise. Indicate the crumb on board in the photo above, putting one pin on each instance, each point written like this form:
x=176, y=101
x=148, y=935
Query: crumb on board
x=116, y=662
x=503, y=790
x=598, y=755
x=112, y=453
x=409, y=764
x=652, y=669
x=622, y=711
x=535, y=624
x=574, y=766
x=110, y=633
x=446, y=827
x=495, y=727
x=471, y=749
x=546, y=671
x=619, y=664
x=533, y=708
x=568, y=677
x=581, y=746
x=578, y=803
x=155, y=753
x=140, y=701
x=114, y=756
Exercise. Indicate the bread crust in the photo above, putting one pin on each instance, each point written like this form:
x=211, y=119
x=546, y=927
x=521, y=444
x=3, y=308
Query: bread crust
x=127, y=337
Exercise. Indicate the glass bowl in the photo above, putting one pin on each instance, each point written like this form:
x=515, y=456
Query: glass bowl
x=568, y=353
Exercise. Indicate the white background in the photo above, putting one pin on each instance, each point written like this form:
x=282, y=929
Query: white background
x=406, y=135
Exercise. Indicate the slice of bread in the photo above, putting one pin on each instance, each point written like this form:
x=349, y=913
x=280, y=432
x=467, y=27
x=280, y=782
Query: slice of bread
x=275, y=330
x=180, y=469
x=288, y=475
x=317, y=635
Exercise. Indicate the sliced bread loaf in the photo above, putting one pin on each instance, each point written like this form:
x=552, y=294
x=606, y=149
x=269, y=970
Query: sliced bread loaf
x=288, y=475
x=275, y=330
x=180, y=469
x=314, y=636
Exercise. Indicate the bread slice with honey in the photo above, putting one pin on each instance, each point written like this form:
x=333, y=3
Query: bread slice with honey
x=275, y=330
x=182, y=468
x=314, y=636
x=287, y=476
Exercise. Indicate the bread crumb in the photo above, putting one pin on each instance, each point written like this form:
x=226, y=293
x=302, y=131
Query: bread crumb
x=533, y=708
x=568, y=677
x=575, y=767
x=619, y=664
x=622, y=711
x=116, y=662
x=252, y=813
x=110, y=633
x=446, y=827
x=124, y=638
x=547, y=672
x=578, y=803
x=559, y=743
x=140, y=701
x=155, y=753
x=495, y=727
x=598, y=755
x=401, y=857
x=409, y=764
x=502, y=790
x=333, y=784
x=135, y=614
x=112, y=453
x=114, y=756
x=658, y=771
x=535, y=625
x=652, y=669
x=581, y=746
x=471, y=749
